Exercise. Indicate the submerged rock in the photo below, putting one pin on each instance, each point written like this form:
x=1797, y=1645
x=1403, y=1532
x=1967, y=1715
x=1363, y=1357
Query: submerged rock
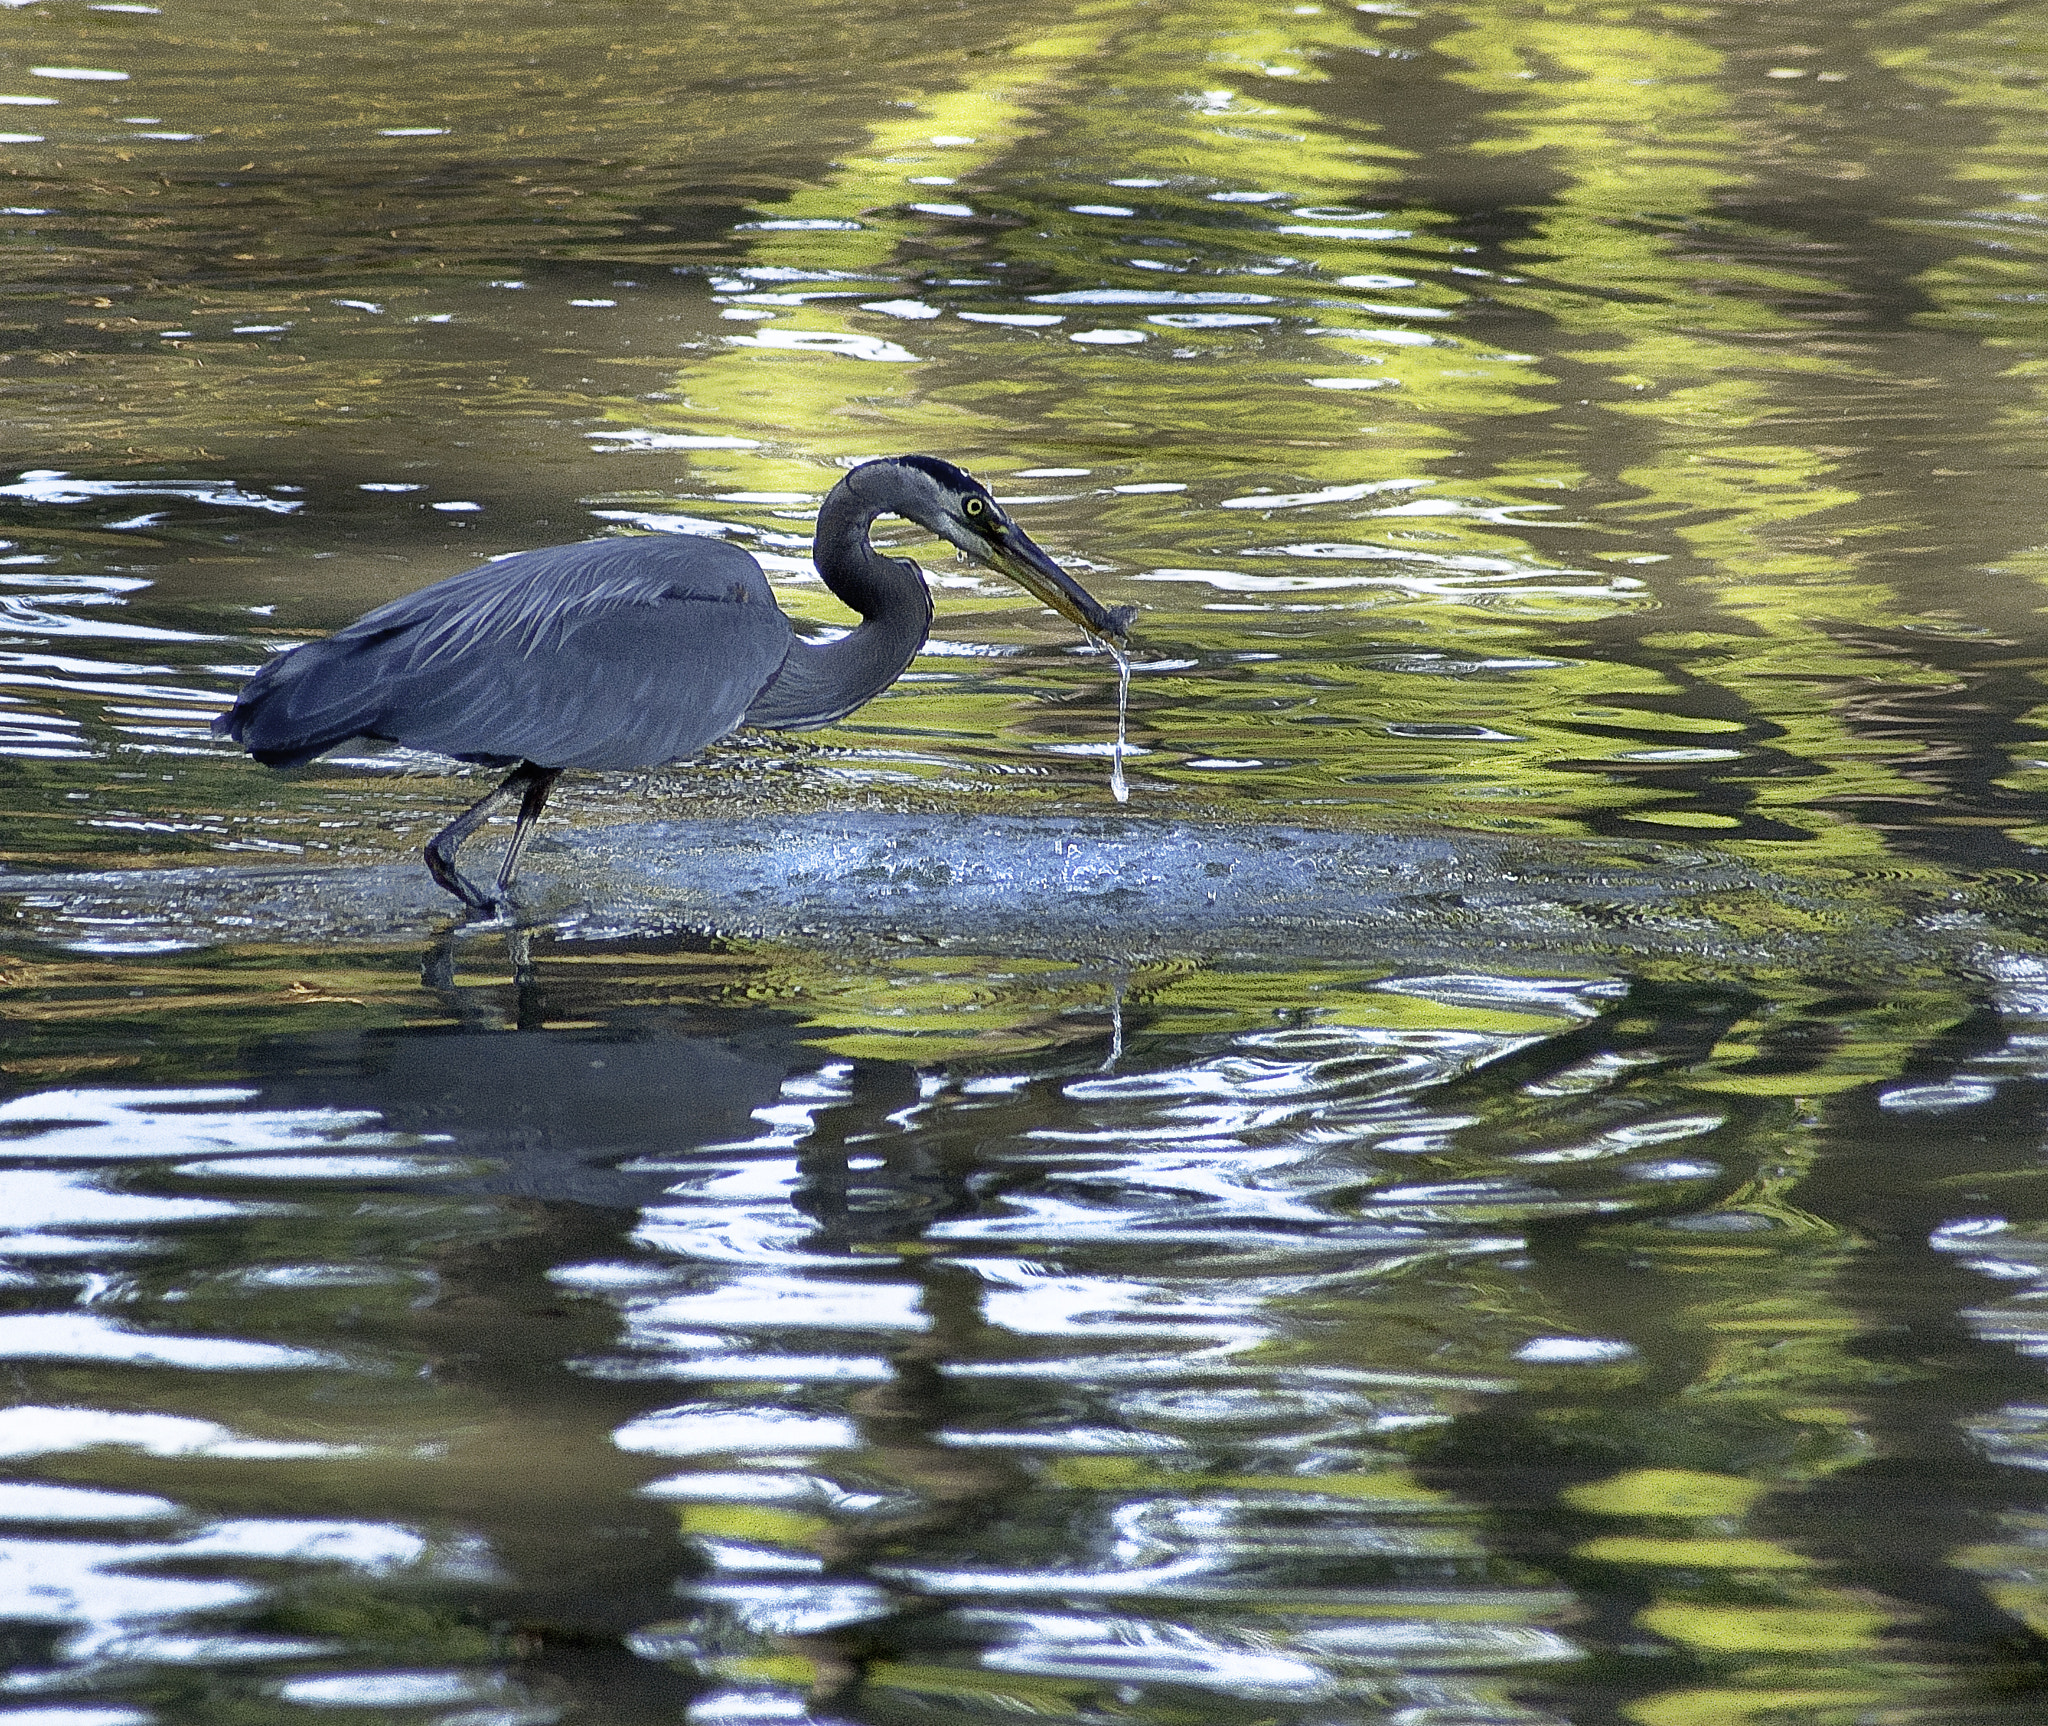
x=1107, y=886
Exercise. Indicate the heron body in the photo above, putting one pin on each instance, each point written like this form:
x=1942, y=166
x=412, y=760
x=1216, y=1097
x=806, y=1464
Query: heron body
x=631, y=652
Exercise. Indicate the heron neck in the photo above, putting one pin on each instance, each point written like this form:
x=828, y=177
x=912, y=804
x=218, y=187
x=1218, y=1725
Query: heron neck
x=823, y=681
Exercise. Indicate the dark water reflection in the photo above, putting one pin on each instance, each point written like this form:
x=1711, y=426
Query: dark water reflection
x=1558, y=423
x=629, y=1333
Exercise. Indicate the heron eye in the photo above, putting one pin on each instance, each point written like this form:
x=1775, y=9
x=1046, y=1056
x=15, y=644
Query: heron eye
x=972, y=507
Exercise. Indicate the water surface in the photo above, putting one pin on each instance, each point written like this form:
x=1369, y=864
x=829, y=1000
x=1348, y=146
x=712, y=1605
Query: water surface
x=1562, y=1242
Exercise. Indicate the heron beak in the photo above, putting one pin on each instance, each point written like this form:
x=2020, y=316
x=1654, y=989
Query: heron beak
x=1031, y=569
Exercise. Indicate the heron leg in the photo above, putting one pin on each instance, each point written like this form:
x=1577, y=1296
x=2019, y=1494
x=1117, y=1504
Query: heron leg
x=539, y=781
x=442, y=847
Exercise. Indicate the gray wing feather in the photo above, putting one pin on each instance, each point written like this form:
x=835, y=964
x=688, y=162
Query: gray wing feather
x=617, y=653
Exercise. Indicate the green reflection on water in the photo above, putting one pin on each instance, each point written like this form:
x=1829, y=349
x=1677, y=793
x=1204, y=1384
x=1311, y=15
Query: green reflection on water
x=1615, y=542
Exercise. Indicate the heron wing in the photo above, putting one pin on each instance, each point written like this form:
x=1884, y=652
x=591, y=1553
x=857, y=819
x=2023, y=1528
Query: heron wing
x=616, y=653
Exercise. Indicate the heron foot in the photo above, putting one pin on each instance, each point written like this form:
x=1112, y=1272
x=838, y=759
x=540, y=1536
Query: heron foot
x=531, y=785
x=441, y=865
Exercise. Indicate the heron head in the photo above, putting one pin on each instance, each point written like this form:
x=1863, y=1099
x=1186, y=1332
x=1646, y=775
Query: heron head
x=956, y=506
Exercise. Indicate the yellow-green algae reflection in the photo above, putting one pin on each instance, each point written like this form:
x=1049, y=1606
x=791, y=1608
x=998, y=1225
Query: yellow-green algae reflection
x=1375, y=571
x=1212, y=369
x=1677, y=570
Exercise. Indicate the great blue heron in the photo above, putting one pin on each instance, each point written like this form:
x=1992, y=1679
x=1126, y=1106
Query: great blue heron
x=632, y=652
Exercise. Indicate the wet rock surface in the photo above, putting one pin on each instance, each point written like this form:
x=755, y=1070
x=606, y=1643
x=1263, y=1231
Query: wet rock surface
x=1105, y=887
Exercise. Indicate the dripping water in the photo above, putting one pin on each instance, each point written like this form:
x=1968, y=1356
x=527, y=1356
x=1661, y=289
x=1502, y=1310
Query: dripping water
x=1119, y=788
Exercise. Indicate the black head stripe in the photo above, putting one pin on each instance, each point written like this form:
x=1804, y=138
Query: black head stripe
x=958, y=478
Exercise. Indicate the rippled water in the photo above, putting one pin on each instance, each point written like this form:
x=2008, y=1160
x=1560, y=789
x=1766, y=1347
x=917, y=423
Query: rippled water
x=1502, y=1187
x=707, y=1330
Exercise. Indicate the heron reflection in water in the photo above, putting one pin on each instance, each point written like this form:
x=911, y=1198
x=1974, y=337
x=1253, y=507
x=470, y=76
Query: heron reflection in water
x=633, y=652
